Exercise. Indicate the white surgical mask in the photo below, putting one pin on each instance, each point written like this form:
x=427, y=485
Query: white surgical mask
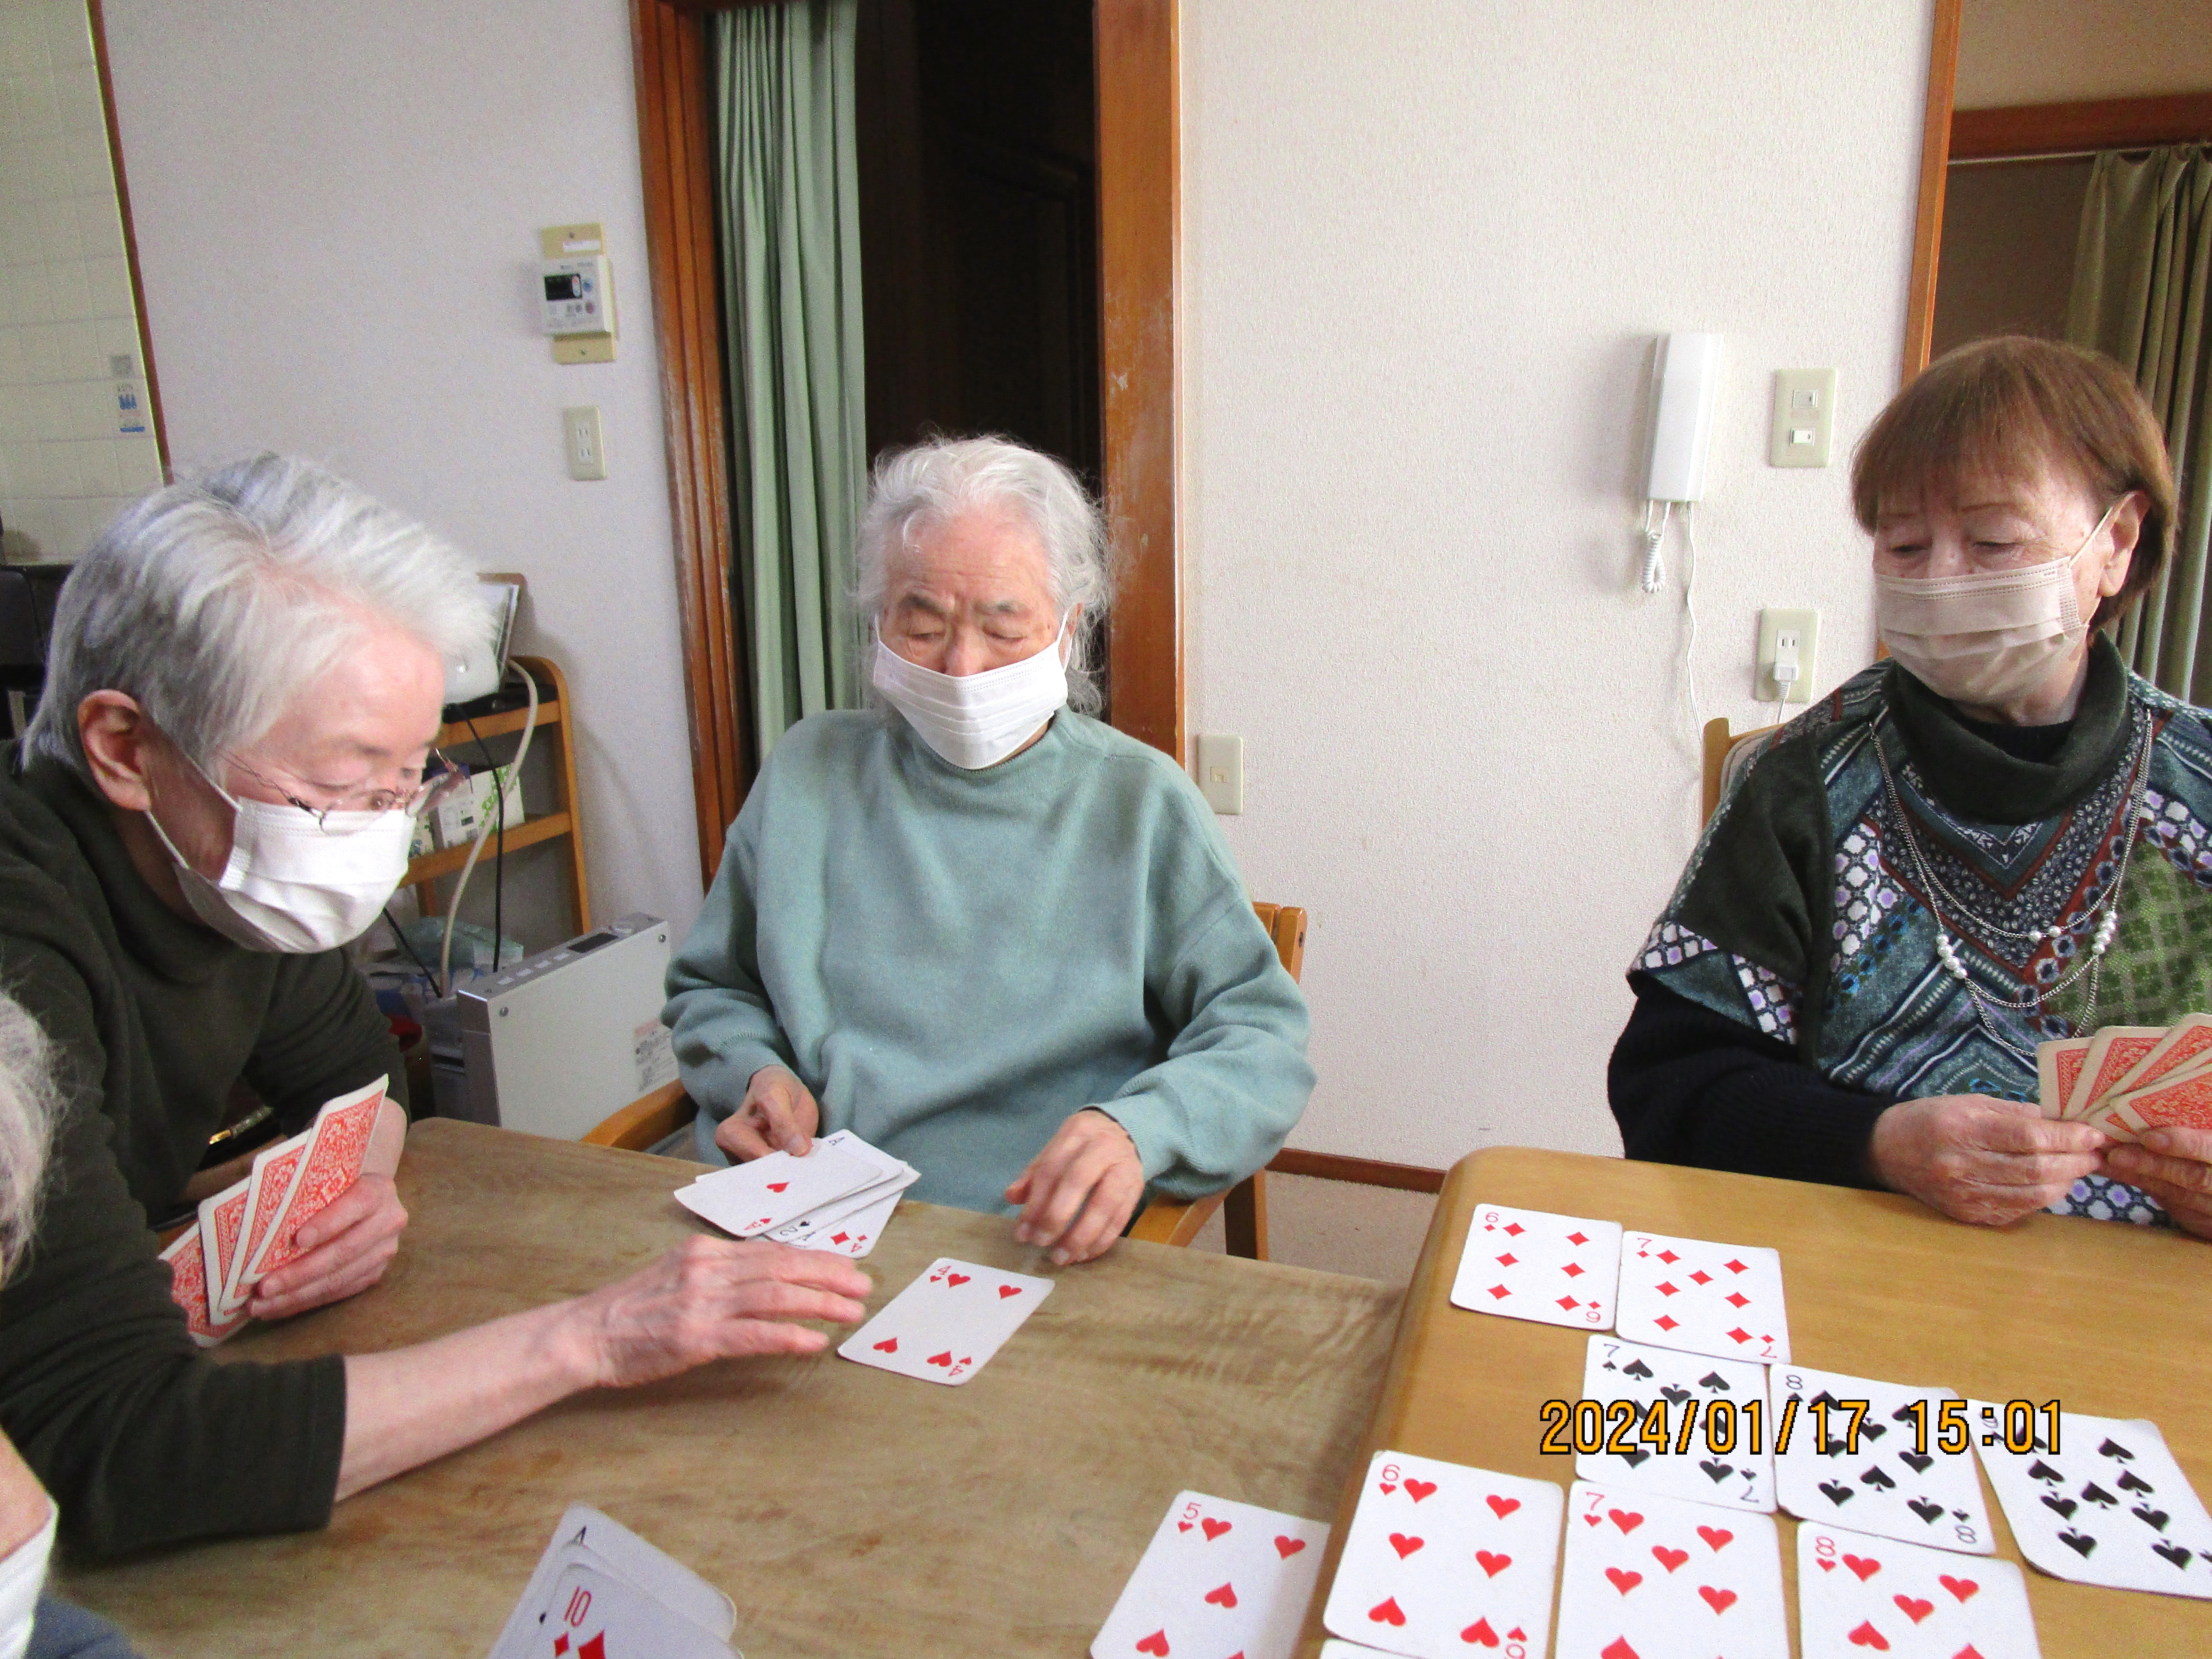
x=295, y=885
x=975, y=720
x=1984, y=637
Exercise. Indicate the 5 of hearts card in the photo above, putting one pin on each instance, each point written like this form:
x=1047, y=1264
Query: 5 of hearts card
x=1660, y=1578
x=1218, y=1577
x=1444, y=1560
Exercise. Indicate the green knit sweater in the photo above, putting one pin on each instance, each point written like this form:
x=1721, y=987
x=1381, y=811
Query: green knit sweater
x=140, y=1439
x=957, y=961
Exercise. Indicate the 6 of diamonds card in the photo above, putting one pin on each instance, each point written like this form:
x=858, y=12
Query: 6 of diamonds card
x=1443, y=1559
x=1692, y=1293
x=1659, y=1578
x=1218, y=1577
x=946, y=1325
x=1531, y=1264
x=1858, y=1596
x=1869, y=1452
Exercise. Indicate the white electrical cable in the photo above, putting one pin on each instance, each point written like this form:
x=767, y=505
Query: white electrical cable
x=483, y=833
x=1690, y=610
x=1655, y=568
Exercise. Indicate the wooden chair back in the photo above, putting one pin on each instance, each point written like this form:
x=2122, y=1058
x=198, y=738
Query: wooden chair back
x=1720, y=743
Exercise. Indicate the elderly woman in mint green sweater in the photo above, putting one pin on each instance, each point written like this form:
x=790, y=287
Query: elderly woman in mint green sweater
x=986, y=933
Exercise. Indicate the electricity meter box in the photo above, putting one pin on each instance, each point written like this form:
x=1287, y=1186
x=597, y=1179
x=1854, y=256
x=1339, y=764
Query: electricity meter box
x=556, y=1043
x=579, y=295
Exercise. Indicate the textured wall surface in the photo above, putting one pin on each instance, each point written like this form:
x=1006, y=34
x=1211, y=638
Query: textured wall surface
x=1425, y=264
x=338, y=210
x=2052, y=52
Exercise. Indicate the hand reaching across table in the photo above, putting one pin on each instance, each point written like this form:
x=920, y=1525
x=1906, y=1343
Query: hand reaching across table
x=1979, y=1159
x=1079, y=1192
x=2174, y=1166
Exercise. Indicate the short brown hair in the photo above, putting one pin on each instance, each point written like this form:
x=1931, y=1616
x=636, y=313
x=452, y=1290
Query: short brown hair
x=2004, y=405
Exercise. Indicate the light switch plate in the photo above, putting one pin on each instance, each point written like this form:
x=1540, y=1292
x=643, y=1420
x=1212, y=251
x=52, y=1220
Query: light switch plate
x=1804, y=417
x=1221, y=771
x=1775, y=626
x=586, y=444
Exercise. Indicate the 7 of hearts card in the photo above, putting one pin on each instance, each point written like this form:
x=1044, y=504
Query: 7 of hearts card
x=1658, y=1578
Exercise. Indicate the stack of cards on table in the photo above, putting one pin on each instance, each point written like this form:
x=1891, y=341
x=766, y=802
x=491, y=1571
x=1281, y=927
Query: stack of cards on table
x=2128, y=1078
x=1217, y=1578
x=247, y=1230
x=839, y=1197
x=602, y=1592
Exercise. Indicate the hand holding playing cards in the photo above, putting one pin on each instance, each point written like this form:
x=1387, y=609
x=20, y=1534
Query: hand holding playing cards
x=1079, y=1192
x=778, y=1115
x=1979, y=1159
x=2174, y=1166
x=349, y=1243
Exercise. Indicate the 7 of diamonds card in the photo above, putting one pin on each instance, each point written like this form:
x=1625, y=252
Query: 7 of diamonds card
x=1653, y=1577
x=1531, y=1264
x=1693, y=1294
x=1444, y=1560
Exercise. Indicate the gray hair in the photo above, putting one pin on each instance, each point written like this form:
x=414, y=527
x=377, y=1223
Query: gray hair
x=918, y=490
x=214, y=601
x=29, y=1106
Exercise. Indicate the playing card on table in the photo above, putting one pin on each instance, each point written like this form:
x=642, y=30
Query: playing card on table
x=751, y=1199
x=2108, y=1506
x=1218, y=1577
x=592, y=1615
x=188, y=1288
x=1659, y=1578
x=1531, y=1264
x=946, y=1325
x=1858, y=1595
x=849, y=1235
x=1337, y=1648
x=1446, y=1559
x=586, y=1538
x=1892, y=1477
x=222, y=1225
x=1706, y=1298
x=337, y=1146
x=1739, y=1478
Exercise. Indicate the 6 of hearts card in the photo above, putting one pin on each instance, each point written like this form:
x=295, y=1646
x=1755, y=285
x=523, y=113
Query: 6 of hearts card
x=946, y=1325
x=1858, y=1595
x=1218, y=1577
x=1694, y=1453
x=1444, y=1560
x=2106, y=1505
x=1691, y=1293
x=1660, y=1578
x=1531, y=1264
x=1883, y=1468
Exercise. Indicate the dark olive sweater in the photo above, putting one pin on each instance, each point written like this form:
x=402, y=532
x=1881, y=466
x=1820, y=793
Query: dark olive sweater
x=142, y=1439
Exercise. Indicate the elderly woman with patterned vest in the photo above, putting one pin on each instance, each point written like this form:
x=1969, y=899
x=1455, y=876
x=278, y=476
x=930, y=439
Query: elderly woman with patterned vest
x=1995, y=839
x=991, y=935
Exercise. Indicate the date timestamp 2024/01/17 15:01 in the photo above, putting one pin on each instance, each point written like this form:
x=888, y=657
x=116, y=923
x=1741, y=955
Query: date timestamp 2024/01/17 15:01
x=1624, y=1429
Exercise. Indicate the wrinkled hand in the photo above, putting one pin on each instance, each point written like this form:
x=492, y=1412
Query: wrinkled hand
x=2174, y=1166
x=1079, y=1193
x=349, y=1245
x=1979, y=1159
x=777, y=1114
x=714, y=1298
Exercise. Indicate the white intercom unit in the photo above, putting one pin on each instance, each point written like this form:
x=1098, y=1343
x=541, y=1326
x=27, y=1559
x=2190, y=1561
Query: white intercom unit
x=1687, y=373
x=579, y=295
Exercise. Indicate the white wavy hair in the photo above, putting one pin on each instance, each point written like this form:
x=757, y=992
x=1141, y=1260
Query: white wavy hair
x=916, y=491
x=29, y=1106
x=214, y=601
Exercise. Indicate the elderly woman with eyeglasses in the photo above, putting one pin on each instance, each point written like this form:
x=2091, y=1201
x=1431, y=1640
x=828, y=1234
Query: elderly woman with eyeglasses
x=1996, y=840
x=215, y=794
x=991, y=935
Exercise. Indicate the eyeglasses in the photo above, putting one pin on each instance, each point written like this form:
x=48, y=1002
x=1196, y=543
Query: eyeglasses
x=439, y=780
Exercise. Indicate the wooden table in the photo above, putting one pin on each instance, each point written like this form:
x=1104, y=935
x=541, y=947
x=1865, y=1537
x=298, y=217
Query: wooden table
x=848, y=1512
x=2107, y=1318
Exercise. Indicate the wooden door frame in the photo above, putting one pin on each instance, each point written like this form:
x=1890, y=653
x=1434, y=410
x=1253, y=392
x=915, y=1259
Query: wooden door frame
x=1139, y=120
x=1934, y=163
x=2024, y=131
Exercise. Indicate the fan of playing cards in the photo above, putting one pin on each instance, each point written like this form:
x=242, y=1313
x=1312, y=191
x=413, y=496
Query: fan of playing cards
x=248, y=1230
x=838, y=1197
x=2128, y=1078
x=602, y=1592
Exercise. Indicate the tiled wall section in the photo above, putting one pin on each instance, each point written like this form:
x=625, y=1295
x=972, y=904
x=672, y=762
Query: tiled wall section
x=76, y=439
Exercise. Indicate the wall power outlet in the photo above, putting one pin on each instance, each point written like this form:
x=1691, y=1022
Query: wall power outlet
x=1783, y=636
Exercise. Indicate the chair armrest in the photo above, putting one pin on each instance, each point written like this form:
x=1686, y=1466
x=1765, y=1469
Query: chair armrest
x=646, y=1121
x=1164, y=1221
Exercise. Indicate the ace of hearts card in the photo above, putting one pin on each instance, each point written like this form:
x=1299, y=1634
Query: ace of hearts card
x=1691, y=1293
x=1444, y=1560
x=1676, y=1385
x=1531, y=1264
x=1859, y=1596
x=1648, y=1578
x=1883, y=1468
x=946, y=1325
x=1218, y=1577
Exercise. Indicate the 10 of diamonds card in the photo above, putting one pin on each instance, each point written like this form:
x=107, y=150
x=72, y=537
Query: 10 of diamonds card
x=1706, y=1459
x=2107, y=1504
x=1531, y=1264
x=1218, y=1577
x=1656, y=1578
x=1859, y=1596
x=1706, y=1298
x=1871, y=1454
x=1444, y=1560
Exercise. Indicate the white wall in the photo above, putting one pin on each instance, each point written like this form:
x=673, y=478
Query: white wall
x=337, y=207
x=1426, y=250
x=2051, y=51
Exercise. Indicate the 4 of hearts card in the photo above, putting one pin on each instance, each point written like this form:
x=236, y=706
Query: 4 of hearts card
x=1882, y=1466
x=1218, y=1577
x=946, y=1325
x=1531, y=1264
x=1858, y=1595
x=1443, y=1559
x=1708, y=1458
x=1691, y=1293
x=1660, y=1578
x=2106, y=1505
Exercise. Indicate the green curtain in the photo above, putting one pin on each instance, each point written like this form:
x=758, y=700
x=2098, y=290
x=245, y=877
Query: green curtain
x=2141, y=270
x=788, y=194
